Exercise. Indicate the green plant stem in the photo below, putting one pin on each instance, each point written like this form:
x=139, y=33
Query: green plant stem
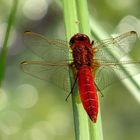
x=76, y=20
x=4, y=51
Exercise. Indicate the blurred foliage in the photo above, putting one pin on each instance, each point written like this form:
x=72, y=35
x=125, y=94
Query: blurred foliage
x=29, y=110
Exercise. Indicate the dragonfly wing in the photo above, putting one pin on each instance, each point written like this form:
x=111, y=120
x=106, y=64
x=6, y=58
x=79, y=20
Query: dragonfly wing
x=51, y=51
x=119, y=45
x=55, y=74
x=109, y=73
x=128, y=23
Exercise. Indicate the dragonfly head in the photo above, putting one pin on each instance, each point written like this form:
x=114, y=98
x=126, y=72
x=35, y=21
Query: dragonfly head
x=79, y=38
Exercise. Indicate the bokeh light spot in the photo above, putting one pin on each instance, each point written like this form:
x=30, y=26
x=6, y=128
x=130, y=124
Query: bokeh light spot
x=121, y=4
x=27, y=96
x=3, y=99
x=35, y=9
x=59, y=117
x=42, y=130
x=10, y=122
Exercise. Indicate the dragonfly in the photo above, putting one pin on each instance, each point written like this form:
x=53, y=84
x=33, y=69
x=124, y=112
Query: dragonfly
x=93, y=68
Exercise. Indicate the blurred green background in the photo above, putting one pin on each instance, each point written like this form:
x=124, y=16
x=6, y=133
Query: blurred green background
x=29, y=110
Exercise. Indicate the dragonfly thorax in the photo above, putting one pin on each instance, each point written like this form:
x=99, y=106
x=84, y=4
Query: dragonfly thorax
x=82, y=54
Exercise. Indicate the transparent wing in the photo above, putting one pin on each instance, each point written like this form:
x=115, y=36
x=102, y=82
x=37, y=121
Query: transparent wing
x=55, y=74
x=119, y=45
x=51, y=51
x=108, y=73
x=128, y=23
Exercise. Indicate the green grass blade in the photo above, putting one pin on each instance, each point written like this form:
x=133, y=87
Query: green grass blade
x=95, y=130
x=76, y=20
x=4, y=51
x=83, y=18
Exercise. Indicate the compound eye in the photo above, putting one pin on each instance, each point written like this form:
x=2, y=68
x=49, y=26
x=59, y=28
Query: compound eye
x=72, y=41
x=92, y=42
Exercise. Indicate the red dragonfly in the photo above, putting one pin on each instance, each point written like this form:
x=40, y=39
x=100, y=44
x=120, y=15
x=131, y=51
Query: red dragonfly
x=94, y=69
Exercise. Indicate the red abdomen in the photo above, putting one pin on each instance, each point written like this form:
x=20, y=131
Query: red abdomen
x=87, y=91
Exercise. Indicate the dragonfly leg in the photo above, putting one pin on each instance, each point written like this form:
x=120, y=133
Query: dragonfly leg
x=102, y=95
x=72, y=88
